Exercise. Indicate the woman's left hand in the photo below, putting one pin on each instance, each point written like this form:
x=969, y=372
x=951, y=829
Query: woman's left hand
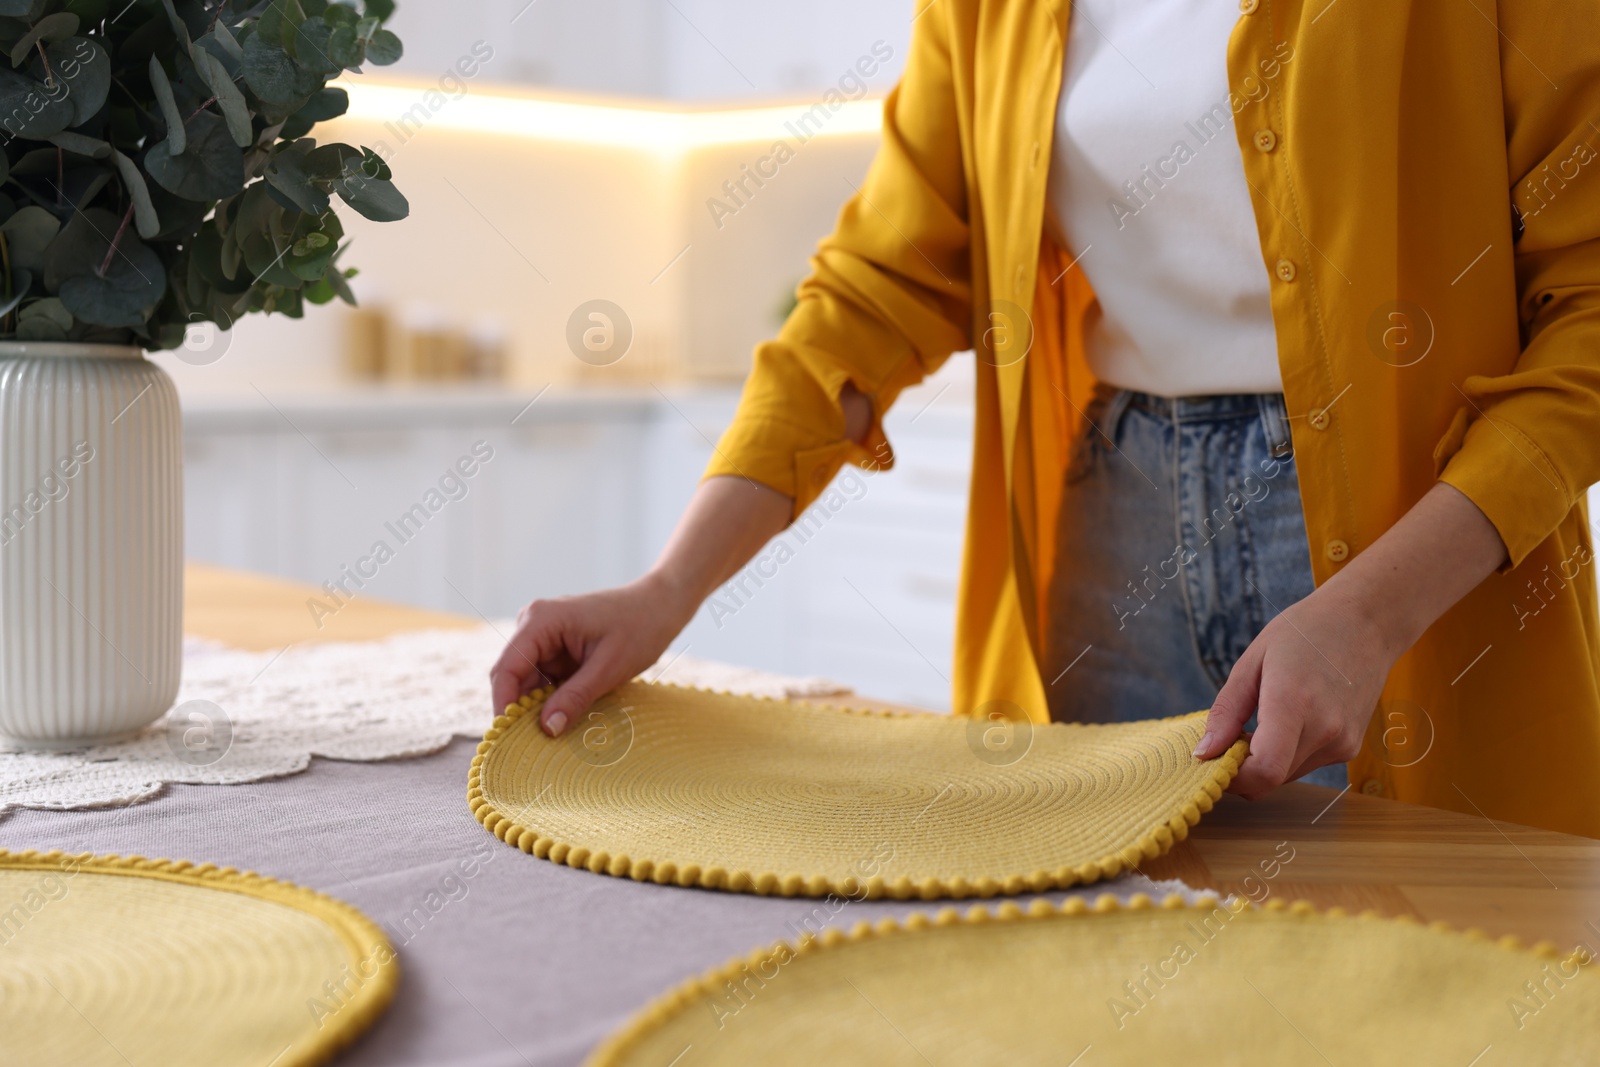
x=1315, y=672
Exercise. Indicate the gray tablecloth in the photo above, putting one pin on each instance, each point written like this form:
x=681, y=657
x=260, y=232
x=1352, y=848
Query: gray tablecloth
x=519, y=962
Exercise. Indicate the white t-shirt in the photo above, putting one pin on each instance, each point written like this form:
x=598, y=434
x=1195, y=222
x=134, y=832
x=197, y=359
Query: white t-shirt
x=1148, y=187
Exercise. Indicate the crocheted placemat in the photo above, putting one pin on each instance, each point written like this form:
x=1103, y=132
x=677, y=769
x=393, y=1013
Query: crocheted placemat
x=690, y=787
x=118, y=960
x=1136, y=984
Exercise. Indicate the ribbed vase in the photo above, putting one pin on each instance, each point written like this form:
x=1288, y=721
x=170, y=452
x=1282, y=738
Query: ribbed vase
x=91, y=543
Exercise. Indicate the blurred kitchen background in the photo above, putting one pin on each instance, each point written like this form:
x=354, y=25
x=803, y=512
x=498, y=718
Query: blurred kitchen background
x=602, y=225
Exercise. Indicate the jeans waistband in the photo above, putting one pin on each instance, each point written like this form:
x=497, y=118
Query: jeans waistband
x=1268, y=407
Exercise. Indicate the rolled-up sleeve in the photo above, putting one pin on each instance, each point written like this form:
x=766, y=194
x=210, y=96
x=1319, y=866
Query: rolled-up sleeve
x=888, y=298
x=1527, y=447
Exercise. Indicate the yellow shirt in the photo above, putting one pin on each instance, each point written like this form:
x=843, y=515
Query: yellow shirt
x=1426, y=190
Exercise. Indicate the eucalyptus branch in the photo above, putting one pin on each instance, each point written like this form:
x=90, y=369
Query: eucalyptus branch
x=49, y=75
x=126, y=218
x=5, y=260
x=171, y=187
x=199, y=109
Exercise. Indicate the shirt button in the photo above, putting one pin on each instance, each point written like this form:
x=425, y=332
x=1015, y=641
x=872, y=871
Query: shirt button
x=1248, y=7
x=1266, y=140
x=1285, y=270
x=1035, y=162
x=1022, y=276
x=1320, y=419
x=1336, y=550
x=1372, y=787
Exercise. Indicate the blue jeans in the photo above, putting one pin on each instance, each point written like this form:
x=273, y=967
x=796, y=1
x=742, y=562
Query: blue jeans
x=1182, y=535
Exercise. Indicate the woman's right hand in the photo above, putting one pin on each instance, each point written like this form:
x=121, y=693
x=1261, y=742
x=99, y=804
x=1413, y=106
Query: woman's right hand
x=587, y=645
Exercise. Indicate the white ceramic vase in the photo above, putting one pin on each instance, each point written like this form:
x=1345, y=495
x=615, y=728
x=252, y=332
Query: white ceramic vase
x=91, y=543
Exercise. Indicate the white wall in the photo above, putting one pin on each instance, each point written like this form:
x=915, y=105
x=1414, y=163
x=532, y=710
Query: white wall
x=685, y=50
x=521, y=231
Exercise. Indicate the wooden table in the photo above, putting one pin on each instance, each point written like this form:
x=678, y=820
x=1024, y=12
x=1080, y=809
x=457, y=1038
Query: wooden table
x=1346, y=849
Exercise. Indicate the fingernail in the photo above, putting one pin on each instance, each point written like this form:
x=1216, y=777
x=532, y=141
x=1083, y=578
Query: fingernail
x=1205, y=743
x=555, y=724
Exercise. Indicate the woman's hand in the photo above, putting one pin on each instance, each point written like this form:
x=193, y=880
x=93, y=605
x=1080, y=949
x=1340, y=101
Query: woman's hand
x=1316, y=672
x=587, y=645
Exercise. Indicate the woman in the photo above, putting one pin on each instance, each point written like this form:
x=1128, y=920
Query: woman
x=1303, y=404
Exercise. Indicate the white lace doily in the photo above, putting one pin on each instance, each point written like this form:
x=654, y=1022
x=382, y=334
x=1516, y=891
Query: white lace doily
x=244, y=716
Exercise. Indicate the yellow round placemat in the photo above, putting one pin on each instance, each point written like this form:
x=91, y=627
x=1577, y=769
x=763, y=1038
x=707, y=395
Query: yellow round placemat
x=694, y=788
x=118, y=960
x=1141, y=984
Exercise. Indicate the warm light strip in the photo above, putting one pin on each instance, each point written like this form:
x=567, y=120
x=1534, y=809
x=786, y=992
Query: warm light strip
x=666, y=132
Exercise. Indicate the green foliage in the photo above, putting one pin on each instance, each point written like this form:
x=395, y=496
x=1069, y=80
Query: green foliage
x=155, y=168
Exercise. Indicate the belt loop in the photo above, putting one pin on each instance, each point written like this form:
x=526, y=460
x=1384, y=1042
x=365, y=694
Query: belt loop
x=1112, y=418
x=1275, y=422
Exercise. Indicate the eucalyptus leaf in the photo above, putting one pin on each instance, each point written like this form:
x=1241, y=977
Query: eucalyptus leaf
x=345, y=48
x=92, y=147
x=273, y=75
x=336, y=279
x=84, y=66
x=22, y=9
x=327, y=104
x=144, y=212
x=374, y=198
x=39, y=330
x=177, y=137
x=311, y=49
x=82, y=186
x=50, y=28
x=125, y=294
x=232, y=256
x=310, y=261
x=279, y=23
x=288, y=174
x=264, y=256
x=50, y=309
x=229, y=98
x=333, y=160
x=226, y=41
x=28, y=233
x=384, y=48
x=372, y=165
x=206, y=264
x=80, y=247
x=320, y=291
x=29, y=110
x=210, y=167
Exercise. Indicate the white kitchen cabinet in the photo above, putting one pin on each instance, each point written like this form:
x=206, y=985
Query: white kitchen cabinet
x=582, y=490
